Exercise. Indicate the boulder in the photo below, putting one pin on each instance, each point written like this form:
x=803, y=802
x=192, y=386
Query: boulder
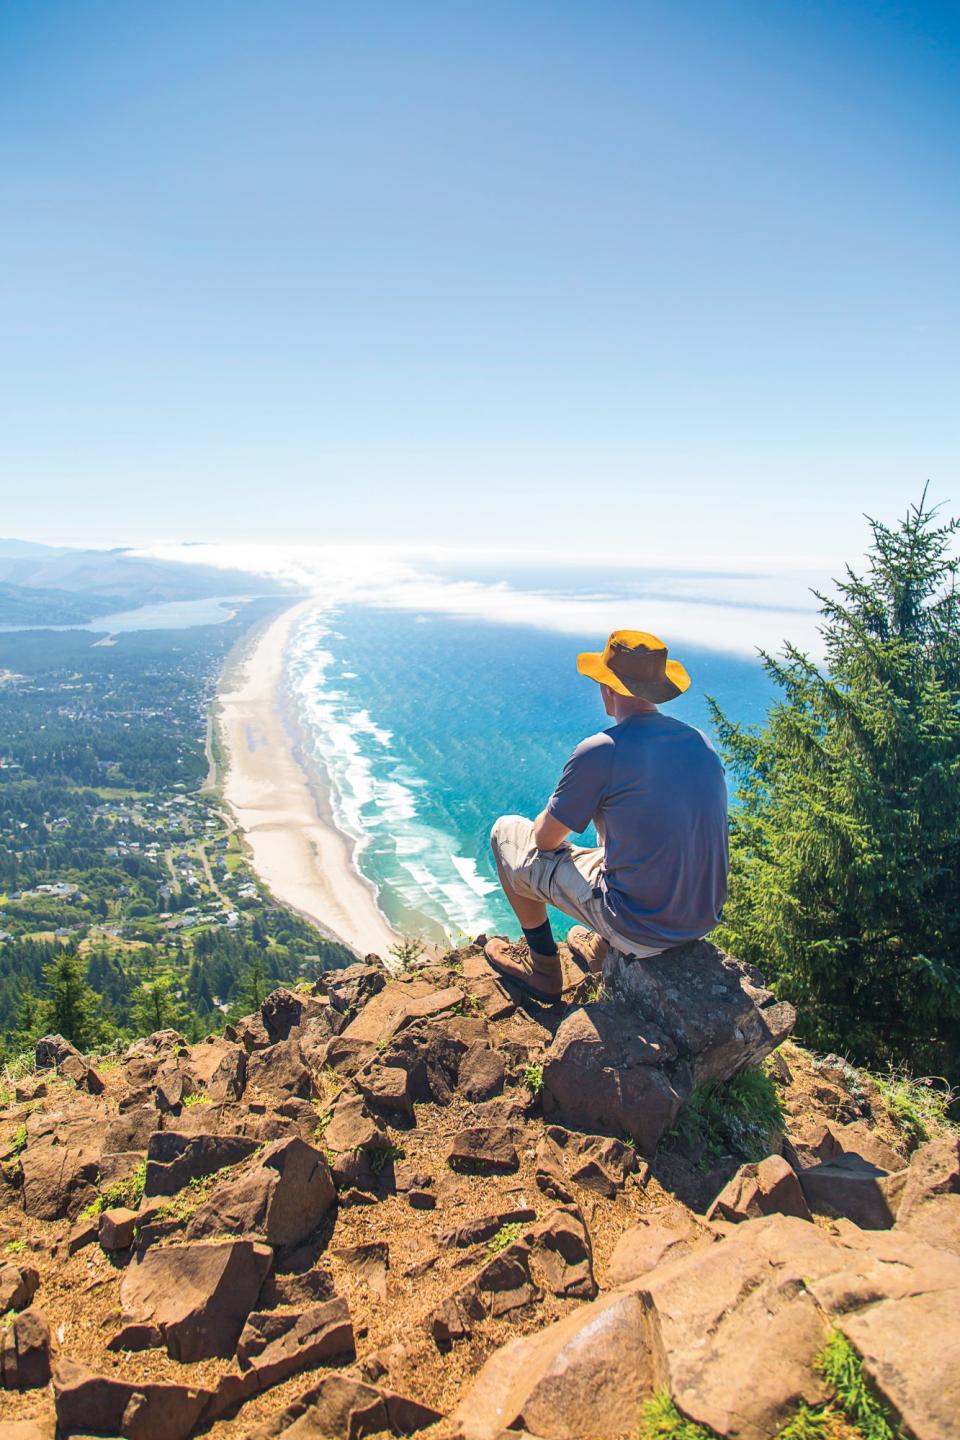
x=25, y=1351
x=386, y=1089
x=18, y=1285
x=282, y=1200
x=595, y=1162
x=349, y=989
x=117, y=1228
x=52, y=1050
x=603, y=1074
x=343, y=1407
x=562, y=1254
x=930, y=1203
x=352, y=1126
x=485, y=1149
x=625, y=1065
x=661, y=1235
x=582, y=1377
x=714, y=1008
x=734, y=1330
x=855, y=1189
x=274, y=1346
x=92, y=1404
x=768, y=1188
x=481, y=1073
x=59, y=1179
x=174, y=1159
x=503, y=1284
x=284, y=1009
x=280, y=1069
x=194, y=1299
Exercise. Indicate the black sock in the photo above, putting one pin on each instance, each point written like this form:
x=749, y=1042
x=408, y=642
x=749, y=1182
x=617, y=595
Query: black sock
x=541, y=939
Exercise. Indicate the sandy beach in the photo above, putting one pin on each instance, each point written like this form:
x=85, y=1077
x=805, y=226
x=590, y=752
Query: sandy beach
x=304, y=860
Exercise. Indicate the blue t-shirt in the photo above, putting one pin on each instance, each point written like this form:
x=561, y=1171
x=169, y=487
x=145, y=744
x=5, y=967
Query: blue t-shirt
x=654, y=788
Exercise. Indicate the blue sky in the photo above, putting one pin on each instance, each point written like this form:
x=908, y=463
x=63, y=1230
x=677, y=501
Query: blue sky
x=680, y=276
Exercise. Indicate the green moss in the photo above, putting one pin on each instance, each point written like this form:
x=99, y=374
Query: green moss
x=743, y=1117
x=661, y=1420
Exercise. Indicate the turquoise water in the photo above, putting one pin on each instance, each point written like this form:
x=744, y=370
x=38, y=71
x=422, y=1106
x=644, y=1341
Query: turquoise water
x=430, y=727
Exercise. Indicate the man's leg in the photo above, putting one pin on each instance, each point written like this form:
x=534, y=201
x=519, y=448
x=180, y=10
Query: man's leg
x=516, y=855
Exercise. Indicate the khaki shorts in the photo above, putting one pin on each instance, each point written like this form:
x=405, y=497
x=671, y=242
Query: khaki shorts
x=568, y=878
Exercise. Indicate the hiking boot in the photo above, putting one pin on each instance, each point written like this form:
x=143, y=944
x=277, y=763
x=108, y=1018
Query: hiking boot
x=539, y=976
x=589, y=947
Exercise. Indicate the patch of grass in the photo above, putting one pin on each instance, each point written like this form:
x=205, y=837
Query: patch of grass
x=825, y=1424
x=126, y=1193
x=505, y=1236
x=740, y=1117
x=533, y=1078
x=918, y=1107
x=842, y=1368
x=19, y=1142
x=197, y=1098
x=182, y=1205
x=15, y=1247
x=18, y=1068
x=661, y=1420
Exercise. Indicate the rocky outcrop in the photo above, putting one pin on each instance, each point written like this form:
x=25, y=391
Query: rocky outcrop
x=625, y=1064
x=366, y=1194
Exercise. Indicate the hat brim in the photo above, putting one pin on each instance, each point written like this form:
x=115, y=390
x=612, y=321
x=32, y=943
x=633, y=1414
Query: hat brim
x=672, y=684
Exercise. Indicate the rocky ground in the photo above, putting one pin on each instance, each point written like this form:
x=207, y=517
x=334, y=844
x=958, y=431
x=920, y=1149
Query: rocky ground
x=410, y=1203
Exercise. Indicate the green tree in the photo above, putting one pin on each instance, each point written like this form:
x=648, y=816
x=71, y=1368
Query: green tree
x=157, y=1006
x=845, y=844
x=71, y=1008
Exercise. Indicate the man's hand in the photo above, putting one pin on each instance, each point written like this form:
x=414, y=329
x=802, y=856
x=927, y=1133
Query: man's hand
x=548, y=832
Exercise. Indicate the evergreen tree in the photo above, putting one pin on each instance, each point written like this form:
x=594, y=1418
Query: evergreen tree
x=71, y=1007
x=845, y=845
x=157, y=1006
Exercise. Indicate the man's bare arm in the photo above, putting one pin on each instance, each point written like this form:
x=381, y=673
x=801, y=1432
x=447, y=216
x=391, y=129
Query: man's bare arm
x=548, y=832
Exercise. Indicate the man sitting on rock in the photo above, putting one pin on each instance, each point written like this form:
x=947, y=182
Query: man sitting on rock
x=654, y=788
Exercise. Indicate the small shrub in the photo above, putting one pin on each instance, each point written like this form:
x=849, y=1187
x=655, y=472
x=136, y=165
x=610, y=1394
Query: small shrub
x=504, y=1237
x=15, y=1247
x=407, y=951
x=738, y=1117
x=380, y=1159
x=533, y=1077
x=197, y=1098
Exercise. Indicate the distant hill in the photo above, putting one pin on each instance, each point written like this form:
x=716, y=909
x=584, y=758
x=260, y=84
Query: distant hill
x=23, y=605
x=124, y=580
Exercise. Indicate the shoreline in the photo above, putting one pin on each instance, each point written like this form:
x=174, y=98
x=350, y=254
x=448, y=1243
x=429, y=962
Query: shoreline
x=281, y=808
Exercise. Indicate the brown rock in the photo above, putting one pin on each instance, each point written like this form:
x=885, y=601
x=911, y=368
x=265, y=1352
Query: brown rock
x=301, y=1289
x=596, y=1162
x=18, y=1285
x=734, y=1330
x=386, y=1088
x=284, y=1009
x=659, y=1236
x=282, y=1200
x=131, y=1130
x=174, y=1159
x=350, y=989
x=485, y=1149
x=549, y=1172
x=353, y=1127
x=275, y=1346
x=88, y=1403
x=484, y=1227
x=600, y=1070
x=82, y=1232
x=344, y=1407
x=482, y=1072
x=853, y=1188
x=192, y=1298
x=280, y=1069
x=911, y=1354
x=583, y=1377
x=562, y=1254
x=250, y=1032
x=768, y=1188
x=930, y=1205
x=59, y=1180
x=117, y=1227
x=229, y=1080
x=25, y=1351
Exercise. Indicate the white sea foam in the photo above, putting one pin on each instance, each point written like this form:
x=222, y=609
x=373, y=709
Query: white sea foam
x=467, y=868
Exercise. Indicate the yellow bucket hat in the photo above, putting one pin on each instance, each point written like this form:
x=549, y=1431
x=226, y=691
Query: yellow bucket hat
x=635, y=663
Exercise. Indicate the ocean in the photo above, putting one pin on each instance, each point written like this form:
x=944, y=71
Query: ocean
x=426, y=727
